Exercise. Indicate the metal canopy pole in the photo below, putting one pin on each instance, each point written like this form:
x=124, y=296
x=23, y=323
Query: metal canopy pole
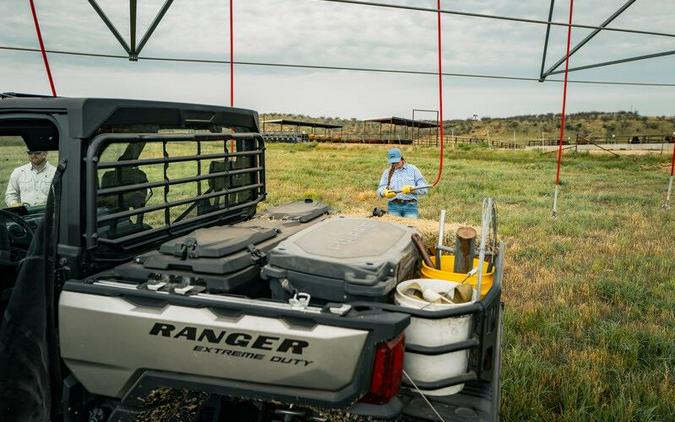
x=612, y=62
x=548, y=32
x=132, y=23
x=153, y=26
x=497, y=17
x=134, y=50
x=587, y=39
x=110, y=26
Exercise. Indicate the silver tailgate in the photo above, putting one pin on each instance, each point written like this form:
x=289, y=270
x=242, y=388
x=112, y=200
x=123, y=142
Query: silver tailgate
x=106, y=341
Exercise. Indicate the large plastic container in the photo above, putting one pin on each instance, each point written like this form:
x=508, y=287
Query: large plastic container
x=446, y=273
x=224, y=259
x=342, y=259
x=434, y=333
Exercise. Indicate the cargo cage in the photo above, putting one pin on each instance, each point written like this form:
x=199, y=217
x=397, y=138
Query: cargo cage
x=234, y=181
x=484, y=341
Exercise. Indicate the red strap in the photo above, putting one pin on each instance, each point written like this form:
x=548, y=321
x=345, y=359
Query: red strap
x=564, y=102
x=440, y=95
x=672, y=163
x=42, y=48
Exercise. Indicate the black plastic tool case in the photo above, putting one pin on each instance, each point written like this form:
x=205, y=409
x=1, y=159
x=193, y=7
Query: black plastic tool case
x=341, y=259
x=223, y=259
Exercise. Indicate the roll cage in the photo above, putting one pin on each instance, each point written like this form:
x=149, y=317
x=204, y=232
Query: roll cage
x=139, y=172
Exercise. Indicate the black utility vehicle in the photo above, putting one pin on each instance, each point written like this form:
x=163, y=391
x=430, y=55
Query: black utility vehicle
x=148, y=278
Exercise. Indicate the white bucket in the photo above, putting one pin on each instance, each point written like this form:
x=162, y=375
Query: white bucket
x=434, y=333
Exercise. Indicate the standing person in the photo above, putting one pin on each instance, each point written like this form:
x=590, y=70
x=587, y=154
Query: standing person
x=397, y=185
x=29, y=184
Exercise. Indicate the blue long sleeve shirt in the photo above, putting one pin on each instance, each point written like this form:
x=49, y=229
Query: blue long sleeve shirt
x=406, y=175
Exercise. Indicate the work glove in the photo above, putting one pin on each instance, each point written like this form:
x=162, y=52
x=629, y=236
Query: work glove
x=388, y=193
x=407, y=190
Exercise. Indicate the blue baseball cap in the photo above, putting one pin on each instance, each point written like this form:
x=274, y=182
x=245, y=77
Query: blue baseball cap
x=394, y=155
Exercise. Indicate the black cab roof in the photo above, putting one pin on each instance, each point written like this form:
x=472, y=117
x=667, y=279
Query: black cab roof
x=87, y=116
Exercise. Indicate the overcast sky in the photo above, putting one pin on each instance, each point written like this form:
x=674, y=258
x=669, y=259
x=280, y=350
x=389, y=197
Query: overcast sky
x=316, y=32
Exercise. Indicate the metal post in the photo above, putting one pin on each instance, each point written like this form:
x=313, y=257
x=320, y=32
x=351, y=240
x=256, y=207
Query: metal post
x=554, y=211
x=670, y=189
x=132, y=24
x=548, y=32
x=672, y=172
x=413, y=127
x=441, y=238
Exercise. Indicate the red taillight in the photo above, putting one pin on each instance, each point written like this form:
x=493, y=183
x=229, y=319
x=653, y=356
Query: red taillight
x=387, y=371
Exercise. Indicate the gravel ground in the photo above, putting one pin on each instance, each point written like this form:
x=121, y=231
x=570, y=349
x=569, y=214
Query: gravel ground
x=171, y=405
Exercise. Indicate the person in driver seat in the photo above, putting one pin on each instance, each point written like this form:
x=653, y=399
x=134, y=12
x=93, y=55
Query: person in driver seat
x=29, y=184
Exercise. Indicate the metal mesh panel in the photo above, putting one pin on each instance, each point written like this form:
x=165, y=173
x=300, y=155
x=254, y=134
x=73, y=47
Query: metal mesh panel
x=139, y=186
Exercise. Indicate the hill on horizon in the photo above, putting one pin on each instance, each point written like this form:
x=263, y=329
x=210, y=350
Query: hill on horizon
x=594, y=124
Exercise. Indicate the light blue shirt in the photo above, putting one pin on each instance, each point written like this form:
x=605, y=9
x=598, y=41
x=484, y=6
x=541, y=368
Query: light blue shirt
x=406, y=175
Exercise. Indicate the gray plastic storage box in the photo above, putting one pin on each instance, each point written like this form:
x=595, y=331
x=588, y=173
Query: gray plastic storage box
x=342, y=259
x=300, y=211
x=224, y=259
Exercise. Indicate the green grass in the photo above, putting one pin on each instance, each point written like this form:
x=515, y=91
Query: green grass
x=590, y=296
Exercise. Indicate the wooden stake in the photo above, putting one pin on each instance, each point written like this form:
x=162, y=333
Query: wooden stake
x=465, y=242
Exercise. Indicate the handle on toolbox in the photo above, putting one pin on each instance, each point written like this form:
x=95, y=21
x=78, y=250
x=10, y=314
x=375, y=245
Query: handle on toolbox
x=373, y=288
x=350, y=277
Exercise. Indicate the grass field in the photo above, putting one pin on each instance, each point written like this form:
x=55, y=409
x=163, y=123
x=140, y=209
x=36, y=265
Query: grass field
x=590, y=296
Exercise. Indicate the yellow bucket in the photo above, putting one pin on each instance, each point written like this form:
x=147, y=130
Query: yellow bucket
x=446, y=273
